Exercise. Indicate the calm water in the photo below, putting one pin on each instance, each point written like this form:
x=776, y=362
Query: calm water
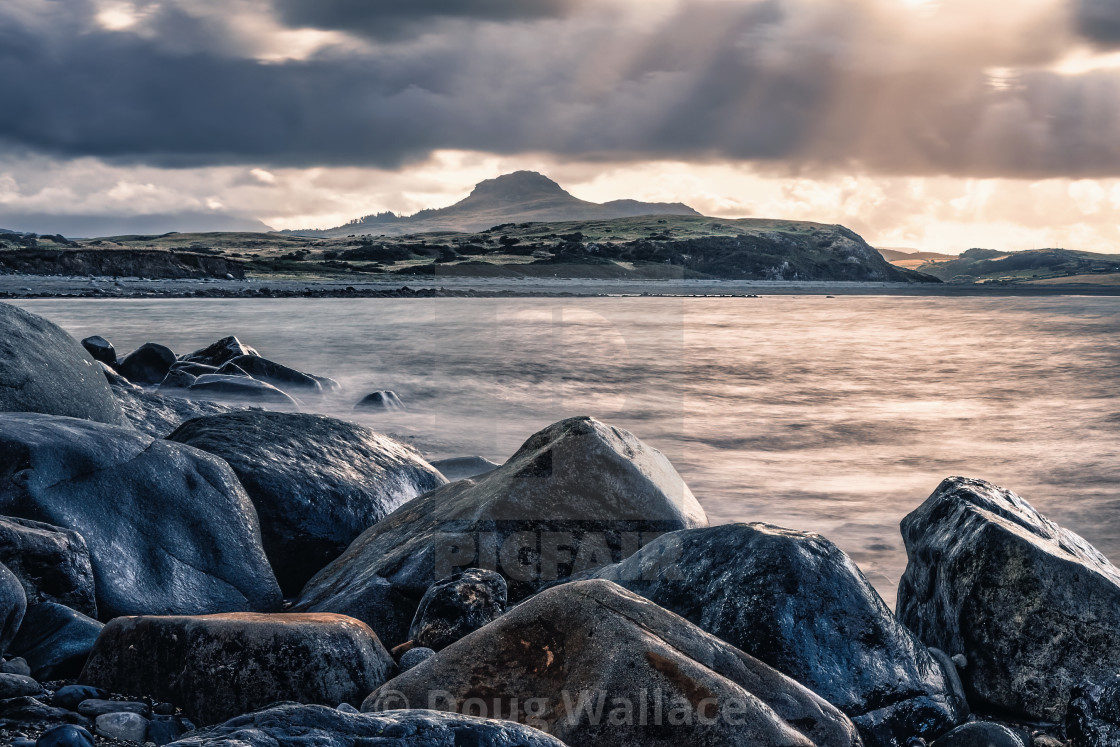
x=832, y=415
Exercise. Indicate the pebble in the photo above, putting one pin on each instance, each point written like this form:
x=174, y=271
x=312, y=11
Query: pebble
x=131, y=727
x=66, y=735
x=414, y=656
x=94, y=708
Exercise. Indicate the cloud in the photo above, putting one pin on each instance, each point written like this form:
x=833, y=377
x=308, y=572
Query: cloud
x=1099, y=21
x=395, y=19
x=808, y=86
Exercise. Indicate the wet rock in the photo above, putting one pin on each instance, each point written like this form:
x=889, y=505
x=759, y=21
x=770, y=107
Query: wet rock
x=170, y=530
x=460, y=468
x=100, y=349
x=1034, y=608
x=327, y=383
x=218, y=666
x=981, y=734
x=70, y=696
x=95, y=707
x=43, y=369
x=13, y=605
x=147, y=364
x=158, y=414
x=279, y=376
x=32, y=710
x=456, y=606
x=194, y=369
x=594, y=664
x=798, y=603
x=128, y=727
x=1093, y=718
x=16, y=685
x=296, y=726
x=579, y=484
x=50, y=562
x=222, y=387
x=55, y=640
x=219, y=353
x=65, y=735
x=177, y=378
x=316, y=482
x=415, y=656
x=380, y=401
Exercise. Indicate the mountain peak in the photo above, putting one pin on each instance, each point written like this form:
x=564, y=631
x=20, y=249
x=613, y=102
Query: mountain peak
x=520, y=186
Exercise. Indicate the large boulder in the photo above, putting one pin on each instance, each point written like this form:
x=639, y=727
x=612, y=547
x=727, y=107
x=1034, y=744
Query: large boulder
x=576, y=496
x=55, y=641
x=147, y=364
x=52, y=563
x=456, y=606
x=43, y=369
x=593, y=664
x=218, y=666
x=169, y=528
x=798, y=603
x=13, y=605
x=1033, y=608
x=158, y=414
x=317, y=482
x=274, y=373
x=220, y=352
x=302, y=725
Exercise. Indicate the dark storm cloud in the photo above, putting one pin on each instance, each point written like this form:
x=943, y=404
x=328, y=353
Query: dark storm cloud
x=797, y=83
x=390, y=19
x=1099, y=21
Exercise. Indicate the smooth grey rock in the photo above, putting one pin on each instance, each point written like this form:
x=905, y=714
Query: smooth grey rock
x=239, y=388
x=414, y=656
x=55, y=640
x=177, y=378
x=316, y=482
x=17, y=685
x=13, y=605
x=43, y=369
x=100, y=349
x=158, y=414
x=65, y=735
x=593, y=642
x=1034, y=607
x=147, y=364
x=456, y=606
x=217, y=666
x=128, y=727
x=579, y=483
x=380, y=401
x=94, y=707
x=297, y=726
x=70, y=696
x=50, y=562
x=1093, y=718
x=219, y=353
x=170, y=530
x=460, y=468
x=279, y=376
x=798, y=603
x=981, y=734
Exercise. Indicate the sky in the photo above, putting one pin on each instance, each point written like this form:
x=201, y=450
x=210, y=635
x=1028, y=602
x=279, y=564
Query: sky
x=931, y=124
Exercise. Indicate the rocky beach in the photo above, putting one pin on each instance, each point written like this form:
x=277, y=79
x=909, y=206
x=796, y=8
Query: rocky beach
x=189, y=557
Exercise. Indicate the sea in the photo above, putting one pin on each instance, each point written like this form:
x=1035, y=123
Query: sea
x=830, y=415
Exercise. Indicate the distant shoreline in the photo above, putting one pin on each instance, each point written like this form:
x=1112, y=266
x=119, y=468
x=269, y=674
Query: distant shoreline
x=44, y=286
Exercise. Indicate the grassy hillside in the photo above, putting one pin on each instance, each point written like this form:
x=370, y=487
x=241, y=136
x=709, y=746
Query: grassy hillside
x=1038, y=265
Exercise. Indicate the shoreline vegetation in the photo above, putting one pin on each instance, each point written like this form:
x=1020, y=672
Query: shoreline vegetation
x=225, y=569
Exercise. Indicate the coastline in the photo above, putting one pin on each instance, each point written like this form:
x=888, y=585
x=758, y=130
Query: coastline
x=52, y=286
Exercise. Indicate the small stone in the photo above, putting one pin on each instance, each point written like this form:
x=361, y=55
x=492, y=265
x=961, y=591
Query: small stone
x=131, y=727
x=164, y=709
x=101, y=349
x=66, y=735
x=17, y=685
x=383, y=401
x=415, y=656
x=456, y=606
x=16, y=665
x=347, y=708
x=70, y=696
x=961, y=661
x=94, y=708
x=164, y=730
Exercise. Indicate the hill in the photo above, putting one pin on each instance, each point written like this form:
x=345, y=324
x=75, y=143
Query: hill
x=1035, y=265
x=520, y=197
